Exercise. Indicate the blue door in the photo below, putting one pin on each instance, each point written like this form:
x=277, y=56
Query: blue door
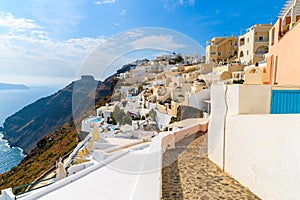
x=285, y=102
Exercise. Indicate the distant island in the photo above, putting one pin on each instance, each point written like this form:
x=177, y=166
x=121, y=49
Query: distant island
x=7, y=86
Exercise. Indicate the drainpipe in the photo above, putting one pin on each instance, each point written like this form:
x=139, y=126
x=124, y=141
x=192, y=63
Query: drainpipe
x=225, y=119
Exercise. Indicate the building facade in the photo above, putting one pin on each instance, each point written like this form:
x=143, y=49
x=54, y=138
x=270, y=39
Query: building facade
x=283, y=62
x=221, y=50
x=254, y=44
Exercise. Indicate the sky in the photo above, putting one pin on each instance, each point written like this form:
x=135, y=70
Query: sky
x=50, y=42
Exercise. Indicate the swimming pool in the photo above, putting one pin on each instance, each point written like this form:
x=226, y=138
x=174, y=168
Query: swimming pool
x=97, y=120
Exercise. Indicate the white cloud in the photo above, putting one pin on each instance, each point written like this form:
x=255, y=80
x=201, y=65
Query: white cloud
x=33, y=53
x=136, y=44
x=59, y=16
x=7, y=20
x=105, y=2
x=123, y=12
x=132, y=34
x=163, y=42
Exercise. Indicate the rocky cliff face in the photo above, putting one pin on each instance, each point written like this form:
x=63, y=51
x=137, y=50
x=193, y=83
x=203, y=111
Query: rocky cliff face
x=26, y=127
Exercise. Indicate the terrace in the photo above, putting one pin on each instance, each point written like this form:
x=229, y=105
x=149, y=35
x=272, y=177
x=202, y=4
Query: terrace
x=289, y=16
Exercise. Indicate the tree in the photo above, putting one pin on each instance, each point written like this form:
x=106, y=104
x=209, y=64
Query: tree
x=119, y=116
x=178, y=58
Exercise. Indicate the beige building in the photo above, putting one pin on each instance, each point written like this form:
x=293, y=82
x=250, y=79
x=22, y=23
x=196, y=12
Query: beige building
x=221, y=50
x=254, y=44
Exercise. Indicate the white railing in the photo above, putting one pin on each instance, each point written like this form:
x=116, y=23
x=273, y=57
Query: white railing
x=75, y=151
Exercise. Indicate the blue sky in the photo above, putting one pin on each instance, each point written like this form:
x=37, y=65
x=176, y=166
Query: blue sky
x=47, y=42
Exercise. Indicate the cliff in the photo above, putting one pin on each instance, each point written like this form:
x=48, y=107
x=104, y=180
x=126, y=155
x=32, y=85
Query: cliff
x=6, y=86
x=58, y=143
x=42, y=158
x=26, y=127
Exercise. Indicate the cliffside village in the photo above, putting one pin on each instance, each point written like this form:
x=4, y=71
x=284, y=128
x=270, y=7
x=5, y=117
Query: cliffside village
x=245, y=93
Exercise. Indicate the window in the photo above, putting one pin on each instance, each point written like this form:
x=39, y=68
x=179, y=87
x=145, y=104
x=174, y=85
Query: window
x=229, y=52
x=220, y=54
x=247, y=52
x=248, y=40
x=261, y=38
x=241, y=54
x=213, y=53
x=242, y=41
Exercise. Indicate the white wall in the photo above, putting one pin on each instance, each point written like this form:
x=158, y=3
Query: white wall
x=196, y=99
x=162, y=119
x=216, y=125
x=86, y=126
x=248, y=99
x=255, y=99
x=262, y=152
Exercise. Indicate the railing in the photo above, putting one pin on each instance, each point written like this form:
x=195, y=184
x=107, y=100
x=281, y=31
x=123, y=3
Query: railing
x=262, y=40
x=30, y=184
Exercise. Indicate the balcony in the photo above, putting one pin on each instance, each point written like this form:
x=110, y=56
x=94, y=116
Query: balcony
x=265, y=40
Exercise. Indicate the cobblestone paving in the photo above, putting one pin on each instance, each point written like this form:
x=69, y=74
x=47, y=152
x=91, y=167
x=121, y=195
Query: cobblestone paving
x=189, y=174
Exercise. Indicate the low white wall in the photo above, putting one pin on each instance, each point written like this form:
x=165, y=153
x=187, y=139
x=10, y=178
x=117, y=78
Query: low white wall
x=216, y=125
x=233, y=100
x=57, y=185
x=188, y=131
x=86, y=126
x=262, y=152
x=149, y=185
x=151, y=181
x=77, y=168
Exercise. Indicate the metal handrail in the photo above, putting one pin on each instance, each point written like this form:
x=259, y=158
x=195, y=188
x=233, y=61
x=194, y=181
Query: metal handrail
x=29, y=184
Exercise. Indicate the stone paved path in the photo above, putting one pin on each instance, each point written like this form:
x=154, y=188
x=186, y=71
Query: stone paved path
x=189, y=174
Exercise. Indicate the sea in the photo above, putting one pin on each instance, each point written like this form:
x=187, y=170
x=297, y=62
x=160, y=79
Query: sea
x=12, y=101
